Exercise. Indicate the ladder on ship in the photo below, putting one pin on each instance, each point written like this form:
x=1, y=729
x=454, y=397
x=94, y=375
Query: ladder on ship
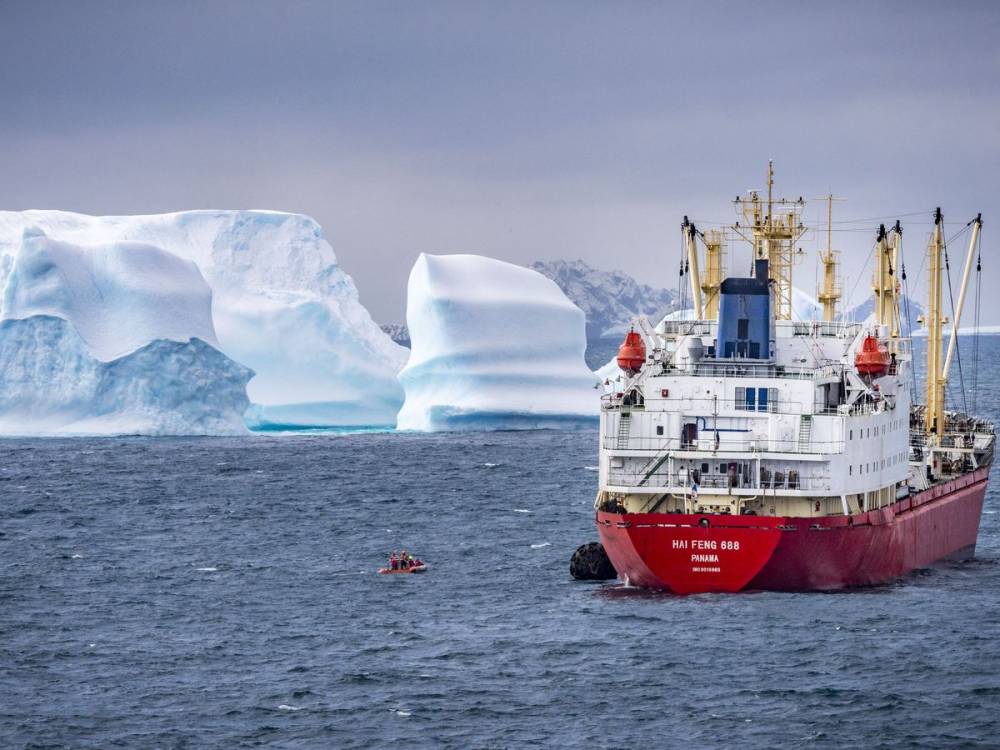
x=805, y=432
x=624, y=428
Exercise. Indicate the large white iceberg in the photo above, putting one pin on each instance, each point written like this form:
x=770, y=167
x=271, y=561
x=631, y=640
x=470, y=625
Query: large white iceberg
x=281, y=305
x=110, y=339
x=494, y=345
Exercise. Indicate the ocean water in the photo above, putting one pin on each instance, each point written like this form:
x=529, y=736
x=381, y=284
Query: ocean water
x=222, y=593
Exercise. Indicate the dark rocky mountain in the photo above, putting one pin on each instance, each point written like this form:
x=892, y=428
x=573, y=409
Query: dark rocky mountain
x=398, y=332
x=867, y=307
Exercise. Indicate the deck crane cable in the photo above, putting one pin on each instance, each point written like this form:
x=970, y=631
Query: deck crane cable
x=862, y=270
x=958, y=346
x=975, y=341
x=906, y=306
x=681, y=290
x=923, y=263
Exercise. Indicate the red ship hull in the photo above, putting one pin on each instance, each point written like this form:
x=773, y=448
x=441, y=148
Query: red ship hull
x=674, y=552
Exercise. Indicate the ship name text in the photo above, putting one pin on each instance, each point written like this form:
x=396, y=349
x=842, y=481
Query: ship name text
x=705, y=544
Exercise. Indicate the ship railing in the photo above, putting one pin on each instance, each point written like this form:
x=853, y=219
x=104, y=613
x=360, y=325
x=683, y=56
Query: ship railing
x=674, y=328
x=682, y=483
x=736, y=368
x=706, y=407
x=824, y=328
x=710, y=409
x=703, y=444
x=741, y=368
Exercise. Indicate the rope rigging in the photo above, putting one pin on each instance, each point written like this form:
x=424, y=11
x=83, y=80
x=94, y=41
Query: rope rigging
x=975, y=340
x=958, y=347
x=906, y=305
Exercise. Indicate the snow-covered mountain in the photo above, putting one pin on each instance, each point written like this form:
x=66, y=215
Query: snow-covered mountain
x=866, y=308
x=609, y=299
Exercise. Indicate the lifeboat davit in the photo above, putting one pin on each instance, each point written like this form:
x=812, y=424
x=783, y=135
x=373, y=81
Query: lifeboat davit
x=632, y=353
x=872, y=360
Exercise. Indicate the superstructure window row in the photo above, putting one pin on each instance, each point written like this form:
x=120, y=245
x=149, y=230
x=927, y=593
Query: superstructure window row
x=756, y=399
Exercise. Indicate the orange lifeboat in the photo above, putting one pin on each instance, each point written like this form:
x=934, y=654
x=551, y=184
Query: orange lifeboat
x=872, y=360
x=632, y=353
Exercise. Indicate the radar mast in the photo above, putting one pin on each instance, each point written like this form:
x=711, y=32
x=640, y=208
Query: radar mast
x=772, y=229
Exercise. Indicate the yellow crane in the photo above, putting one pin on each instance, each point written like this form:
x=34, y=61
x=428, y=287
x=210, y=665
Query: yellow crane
x=829, y=291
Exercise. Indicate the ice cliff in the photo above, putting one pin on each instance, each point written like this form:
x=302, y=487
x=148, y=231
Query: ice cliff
x=280, y=305
x=493, y=346
x=51, y=383
x=109, y=339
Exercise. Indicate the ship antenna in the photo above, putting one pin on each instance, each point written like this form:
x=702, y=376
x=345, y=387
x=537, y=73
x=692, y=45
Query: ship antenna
x=770, y=188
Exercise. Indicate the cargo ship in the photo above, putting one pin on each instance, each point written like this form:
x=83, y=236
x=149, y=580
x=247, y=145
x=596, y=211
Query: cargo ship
x=743, y=449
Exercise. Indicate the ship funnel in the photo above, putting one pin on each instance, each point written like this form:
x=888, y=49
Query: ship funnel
x=760, y=269
x=745, y=316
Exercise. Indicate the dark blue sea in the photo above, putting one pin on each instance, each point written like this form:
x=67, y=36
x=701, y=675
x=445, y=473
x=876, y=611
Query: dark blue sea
x=222, y=593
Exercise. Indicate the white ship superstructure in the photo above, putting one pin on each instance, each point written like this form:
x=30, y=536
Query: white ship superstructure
x=799, y=433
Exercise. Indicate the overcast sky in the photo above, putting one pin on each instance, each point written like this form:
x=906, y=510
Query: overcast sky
x=518, y=130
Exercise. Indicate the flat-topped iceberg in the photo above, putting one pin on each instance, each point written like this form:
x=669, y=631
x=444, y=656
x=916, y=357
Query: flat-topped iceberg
x=119, y=296
x=494, y=346
x=280, y=305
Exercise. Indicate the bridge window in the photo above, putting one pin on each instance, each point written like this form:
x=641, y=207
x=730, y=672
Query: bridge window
x=756, y=399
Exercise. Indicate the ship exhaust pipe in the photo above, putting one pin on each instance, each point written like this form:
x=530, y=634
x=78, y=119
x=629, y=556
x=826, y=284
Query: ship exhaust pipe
x=591, y=563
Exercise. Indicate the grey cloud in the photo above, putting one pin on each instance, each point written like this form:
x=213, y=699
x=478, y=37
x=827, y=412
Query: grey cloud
x=520, y=130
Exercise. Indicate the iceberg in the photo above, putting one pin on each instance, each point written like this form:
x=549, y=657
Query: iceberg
x=115, y=338
x=280, y=305
x=119, y=296
x=51, y=384
x=805, y=307
x=493, y=346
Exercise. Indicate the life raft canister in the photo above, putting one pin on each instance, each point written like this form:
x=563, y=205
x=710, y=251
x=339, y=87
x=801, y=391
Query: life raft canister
x=632, y=353
x=872, y=360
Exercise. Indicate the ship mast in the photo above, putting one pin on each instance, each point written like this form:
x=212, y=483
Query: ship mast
x=829, y=291
x=884, y=284
x=937, y=379
x=896, y=244
x=772, y=230
x=712, y=277
x=704, y=285
x=690, y=235
x=934, y=418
